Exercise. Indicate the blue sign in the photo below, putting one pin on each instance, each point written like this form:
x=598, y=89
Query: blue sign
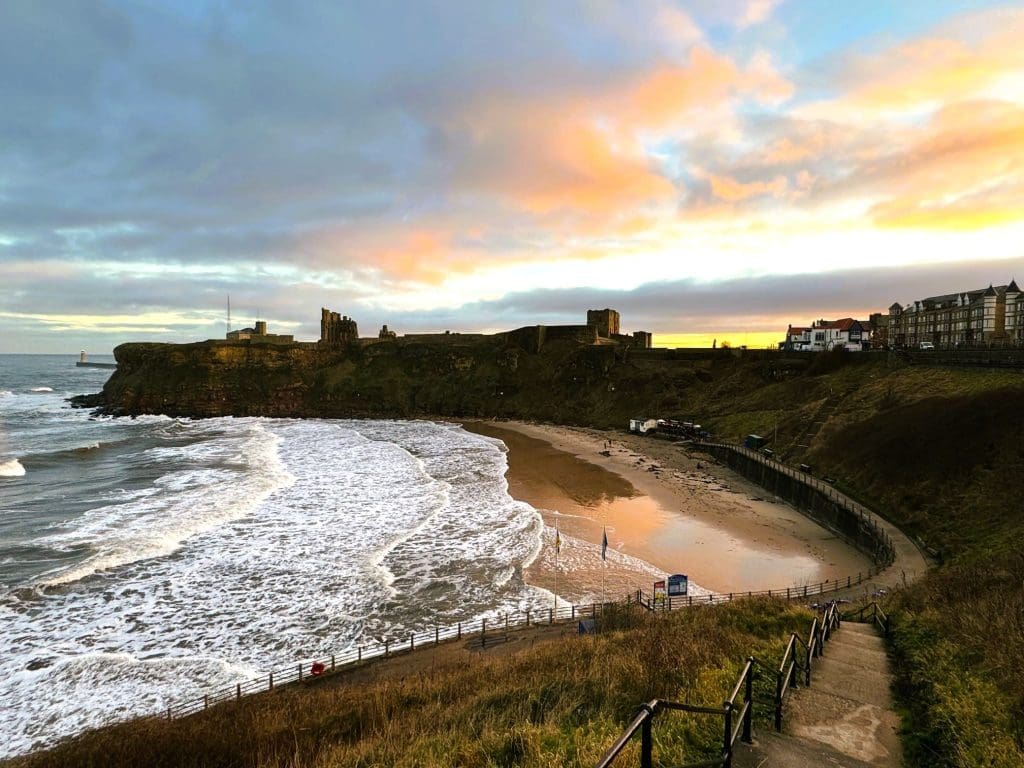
x=677, y=585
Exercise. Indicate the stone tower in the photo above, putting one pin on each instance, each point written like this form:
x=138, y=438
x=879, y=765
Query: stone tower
x=605, y=320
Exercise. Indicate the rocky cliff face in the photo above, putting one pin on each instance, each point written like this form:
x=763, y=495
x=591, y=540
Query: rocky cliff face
x=564, y=382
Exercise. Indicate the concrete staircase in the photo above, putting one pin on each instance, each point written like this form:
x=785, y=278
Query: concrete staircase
x=844, y=720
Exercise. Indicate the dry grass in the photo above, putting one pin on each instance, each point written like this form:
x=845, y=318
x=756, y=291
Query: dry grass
x=558, y=704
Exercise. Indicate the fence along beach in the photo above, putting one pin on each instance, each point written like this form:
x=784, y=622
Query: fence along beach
x=546, y=468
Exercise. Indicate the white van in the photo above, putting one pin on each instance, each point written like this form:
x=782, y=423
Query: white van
x=927, y=345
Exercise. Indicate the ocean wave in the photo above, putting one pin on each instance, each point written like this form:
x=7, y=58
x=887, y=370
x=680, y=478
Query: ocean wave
x=12, y=468
x=41, y=389
x=189, y=502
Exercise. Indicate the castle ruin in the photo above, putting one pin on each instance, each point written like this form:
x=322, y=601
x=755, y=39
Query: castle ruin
x=605, y=320
x=337, y=329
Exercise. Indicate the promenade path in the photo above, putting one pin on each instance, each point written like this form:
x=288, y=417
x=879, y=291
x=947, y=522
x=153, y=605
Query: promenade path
x=844, y=720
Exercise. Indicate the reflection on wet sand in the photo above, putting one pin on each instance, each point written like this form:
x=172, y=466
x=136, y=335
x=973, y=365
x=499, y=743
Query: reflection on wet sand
x=678, y=521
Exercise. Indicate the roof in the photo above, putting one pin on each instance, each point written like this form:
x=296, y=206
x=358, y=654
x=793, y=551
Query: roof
x=839, y=325
x=1012, y=287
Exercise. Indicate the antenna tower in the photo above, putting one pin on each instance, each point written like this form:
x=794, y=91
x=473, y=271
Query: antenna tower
x=229, y=314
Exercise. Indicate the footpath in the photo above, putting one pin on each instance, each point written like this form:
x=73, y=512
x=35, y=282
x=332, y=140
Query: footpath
x=845, y=719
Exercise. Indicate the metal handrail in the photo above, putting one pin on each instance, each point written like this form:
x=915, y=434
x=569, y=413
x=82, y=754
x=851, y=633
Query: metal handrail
x=878, y=616
x=738, y=724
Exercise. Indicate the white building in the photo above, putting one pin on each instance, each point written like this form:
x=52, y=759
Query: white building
x=823, y=335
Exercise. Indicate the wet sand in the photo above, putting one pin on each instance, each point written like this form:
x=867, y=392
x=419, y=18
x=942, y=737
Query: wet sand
x=664, y=511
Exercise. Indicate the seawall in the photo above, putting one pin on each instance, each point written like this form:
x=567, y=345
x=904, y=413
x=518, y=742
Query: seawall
x=814, y=498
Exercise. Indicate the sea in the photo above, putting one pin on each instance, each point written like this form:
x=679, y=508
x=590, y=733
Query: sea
x=147, y=561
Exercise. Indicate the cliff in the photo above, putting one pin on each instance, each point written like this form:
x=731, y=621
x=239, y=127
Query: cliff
x=484, y=377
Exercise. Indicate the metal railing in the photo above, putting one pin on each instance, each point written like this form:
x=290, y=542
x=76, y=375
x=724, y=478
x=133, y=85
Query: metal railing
x=487, y=631
x=793, y=663
x=738, y=721
x=877, y=617
x=738, y=724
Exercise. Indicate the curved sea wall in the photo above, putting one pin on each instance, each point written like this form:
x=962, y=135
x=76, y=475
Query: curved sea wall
x=817, y=500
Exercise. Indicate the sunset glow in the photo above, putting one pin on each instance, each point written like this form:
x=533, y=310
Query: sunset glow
x=515, y=166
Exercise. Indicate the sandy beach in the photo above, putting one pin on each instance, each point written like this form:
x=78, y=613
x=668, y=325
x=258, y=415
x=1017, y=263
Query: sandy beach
x=665, y=511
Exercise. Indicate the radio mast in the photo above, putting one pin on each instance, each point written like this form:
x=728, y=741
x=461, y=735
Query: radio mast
x=229, y=315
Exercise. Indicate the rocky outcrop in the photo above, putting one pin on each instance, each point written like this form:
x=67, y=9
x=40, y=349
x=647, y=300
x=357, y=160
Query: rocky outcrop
x=490, y=378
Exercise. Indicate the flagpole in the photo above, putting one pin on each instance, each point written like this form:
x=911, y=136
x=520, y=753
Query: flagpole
x=558, y=546
x=604, y=563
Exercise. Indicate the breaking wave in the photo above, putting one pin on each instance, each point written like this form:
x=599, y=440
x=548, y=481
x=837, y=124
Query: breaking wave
x=12, y=468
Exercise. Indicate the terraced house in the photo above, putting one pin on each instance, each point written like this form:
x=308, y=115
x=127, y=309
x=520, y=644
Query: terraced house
x=993, y=315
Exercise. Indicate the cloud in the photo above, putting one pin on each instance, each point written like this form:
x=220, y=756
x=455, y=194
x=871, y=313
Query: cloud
x=957, y=60
x=732, y=190
x=159, y=157
x=757, y=12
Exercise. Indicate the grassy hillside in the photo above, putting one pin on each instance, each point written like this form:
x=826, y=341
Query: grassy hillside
x=939, y=452
x=561, y=703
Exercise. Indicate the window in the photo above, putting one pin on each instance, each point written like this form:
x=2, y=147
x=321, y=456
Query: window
x=819, y=336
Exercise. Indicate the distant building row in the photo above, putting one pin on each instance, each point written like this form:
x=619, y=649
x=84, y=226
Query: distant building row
x=993, y=315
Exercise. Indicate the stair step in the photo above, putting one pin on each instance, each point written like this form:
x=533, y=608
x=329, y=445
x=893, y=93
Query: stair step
x=862, y=731
x=856, y=684
x=873, y=642
x=858, y=628
x=866, y=658
x=772, y=750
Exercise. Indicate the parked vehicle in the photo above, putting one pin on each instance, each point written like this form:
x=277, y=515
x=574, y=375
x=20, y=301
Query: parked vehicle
x=927, y=345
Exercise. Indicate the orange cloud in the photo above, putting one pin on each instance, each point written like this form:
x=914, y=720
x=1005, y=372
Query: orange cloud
x=583, y=155
x=964, y=171
x=663, y=98
x=731, y=190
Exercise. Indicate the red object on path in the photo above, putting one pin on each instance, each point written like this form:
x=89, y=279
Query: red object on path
x=317, y=669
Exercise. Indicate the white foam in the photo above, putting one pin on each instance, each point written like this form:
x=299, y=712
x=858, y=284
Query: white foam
x=262, y=543
x=41, y=389
x=12, y=468
x=192, y=502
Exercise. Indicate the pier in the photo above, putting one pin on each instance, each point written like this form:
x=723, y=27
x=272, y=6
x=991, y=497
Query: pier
x=84, y=363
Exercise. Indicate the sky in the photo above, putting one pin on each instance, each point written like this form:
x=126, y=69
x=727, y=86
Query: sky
x=711, y=168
